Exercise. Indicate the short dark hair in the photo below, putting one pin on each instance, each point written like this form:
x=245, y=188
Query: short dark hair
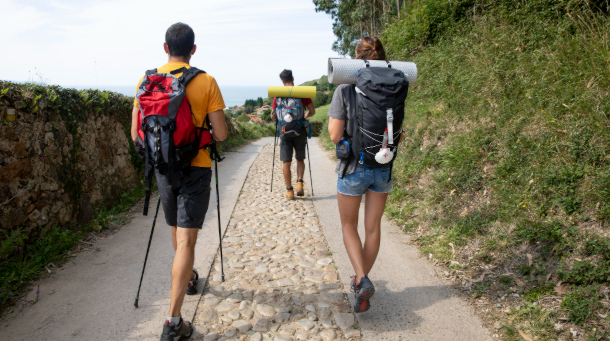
x=180, y=40
x=286, y=76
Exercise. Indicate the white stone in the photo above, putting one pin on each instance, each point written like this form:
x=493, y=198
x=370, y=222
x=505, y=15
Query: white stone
x=333, y=296
x=327, y=334
x=211, y=337
x=208, y=316
x=282, y=338
x=325, y=261
x=248, y=314
x=256, y=337
x=260, y=269
x=305, y=324
x=344, y=320
x=224, y=307
x=234, y=315
x=211, y=301
x=284, y=282
x=242, y=325
x=229, y=332
x=265, y=310
x=235, y=298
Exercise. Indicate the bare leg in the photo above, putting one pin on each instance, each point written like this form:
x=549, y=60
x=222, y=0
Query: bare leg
x=174, y=229
x=182, y=268
x=287, y=174
x=348, y=210
x=374, y=204
x=300, y=169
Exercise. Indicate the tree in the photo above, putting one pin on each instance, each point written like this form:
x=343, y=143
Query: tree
x=266, y=116
x=320, y=99
x=259, y=102
x=358, y=18
x=243, y=118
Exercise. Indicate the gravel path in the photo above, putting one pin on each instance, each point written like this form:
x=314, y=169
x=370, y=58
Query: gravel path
x=280, y=280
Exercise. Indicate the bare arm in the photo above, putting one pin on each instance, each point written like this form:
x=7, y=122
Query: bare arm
x=217, y=120
x=134, y=123
x=335, y=129
x=311, y=109
x=274, y=114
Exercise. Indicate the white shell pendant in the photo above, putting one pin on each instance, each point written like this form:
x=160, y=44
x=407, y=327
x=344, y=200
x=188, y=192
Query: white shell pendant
x=384, y=155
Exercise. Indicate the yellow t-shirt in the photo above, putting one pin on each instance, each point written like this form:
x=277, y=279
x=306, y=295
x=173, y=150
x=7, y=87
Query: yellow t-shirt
x=204, y=96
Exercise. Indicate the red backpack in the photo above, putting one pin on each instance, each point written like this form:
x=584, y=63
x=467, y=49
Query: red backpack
x=166, y=126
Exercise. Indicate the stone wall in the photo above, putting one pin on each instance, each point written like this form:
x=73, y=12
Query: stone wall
x=63, y=153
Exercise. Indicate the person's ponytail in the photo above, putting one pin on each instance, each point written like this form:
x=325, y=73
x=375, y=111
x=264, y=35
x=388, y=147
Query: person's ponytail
x=370, y=48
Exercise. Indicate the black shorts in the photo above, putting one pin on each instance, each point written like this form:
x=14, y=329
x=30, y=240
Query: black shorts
x=197, y=186
x=297, y=144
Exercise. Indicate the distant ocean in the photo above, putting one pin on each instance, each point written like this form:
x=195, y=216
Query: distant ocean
x=233, y=95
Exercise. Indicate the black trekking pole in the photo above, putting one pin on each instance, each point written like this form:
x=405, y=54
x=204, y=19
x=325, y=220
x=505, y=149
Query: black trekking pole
x=273, y=165
x=309, y=160
x=135, y=304
x=217, y=159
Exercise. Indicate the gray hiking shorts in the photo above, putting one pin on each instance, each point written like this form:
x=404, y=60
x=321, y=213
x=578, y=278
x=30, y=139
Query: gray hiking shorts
x=195, y=194
x=288, y=144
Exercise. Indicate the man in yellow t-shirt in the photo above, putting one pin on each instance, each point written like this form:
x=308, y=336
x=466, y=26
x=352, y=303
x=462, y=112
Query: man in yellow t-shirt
x=206, y=100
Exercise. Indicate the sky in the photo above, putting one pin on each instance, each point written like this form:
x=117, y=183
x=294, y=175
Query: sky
x=112, y=42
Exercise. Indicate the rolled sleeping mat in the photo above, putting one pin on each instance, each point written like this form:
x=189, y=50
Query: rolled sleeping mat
x=345, y=71
x=292, y=91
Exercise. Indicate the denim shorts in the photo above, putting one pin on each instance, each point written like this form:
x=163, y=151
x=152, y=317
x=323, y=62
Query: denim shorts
x=365, y=178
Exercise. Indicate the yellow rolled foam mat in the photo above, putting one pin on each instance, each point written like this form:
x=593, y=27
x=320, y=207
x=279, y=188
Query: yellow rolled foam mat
x=292, y=91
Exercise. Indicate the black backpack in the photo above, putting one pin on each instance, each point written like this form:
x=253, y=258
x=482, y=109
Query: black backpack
x=380, y=99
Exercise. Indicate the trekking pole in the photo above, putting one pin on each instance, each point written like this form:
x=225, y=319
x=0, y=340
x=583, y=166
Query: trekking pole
x=135, y=304
x=309, y=160
x=217, y=159
x=273, y=165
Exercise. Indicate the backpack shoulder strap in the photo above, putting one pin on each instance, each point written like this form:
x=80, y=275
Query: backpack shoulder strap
x=151, y=72
x=188, y=74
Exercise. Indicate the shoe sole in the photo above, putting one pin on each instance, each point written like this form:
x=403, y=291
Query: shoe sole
x=364, y=304
x=301, y=194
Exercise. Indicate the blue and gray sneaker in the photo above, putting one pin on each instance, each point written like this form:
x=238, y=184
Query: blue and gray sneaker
x=362, y=294
x=172, y=332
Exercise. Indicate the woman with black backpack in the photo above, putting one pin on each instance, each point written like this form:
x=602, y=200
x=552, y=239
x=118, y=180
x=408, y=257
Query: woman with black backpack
x=358, y=116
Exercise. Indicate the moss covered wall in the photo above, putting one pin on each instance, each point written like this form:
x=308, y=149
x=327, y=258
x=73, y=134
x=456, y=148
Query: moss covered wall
x=63, y=153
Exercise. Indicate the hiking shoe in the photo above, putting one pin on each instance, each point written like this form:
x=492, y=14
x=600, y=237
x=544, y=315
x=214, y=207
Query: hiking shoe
x=172, y=332
x=290, y=193
x=363, y=293
x=300, y=191
x=191, y=287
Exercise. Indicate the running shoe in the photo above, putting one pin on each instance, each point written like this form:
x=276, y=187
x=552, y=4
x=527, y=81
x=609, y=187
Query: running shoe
x=362, y=294
x=172, y=332
x=191, y=288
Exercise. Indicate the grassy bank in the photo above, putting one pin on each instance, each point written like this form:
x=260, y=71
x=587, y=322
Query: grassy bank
x=504, y=175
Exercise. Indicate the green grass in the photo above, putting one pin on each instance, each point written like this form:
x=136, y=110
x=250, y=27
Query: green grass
x=21, y=262
x=241, y=133
x=321, y=113
x=506, y=145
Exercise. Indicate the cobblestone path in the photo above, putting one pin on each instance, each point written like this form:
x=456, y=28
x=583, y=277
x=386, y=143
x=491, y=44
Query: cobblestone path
x=280, y=279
